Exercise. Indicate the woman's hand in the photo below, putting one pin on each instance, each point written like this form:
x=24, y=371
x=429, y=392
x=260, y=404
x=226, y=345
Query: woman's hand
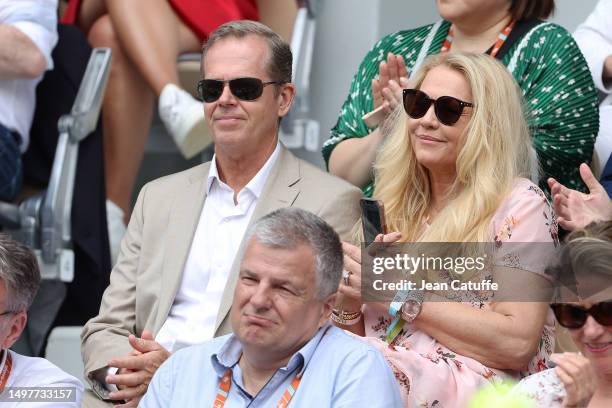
x=578, y=376
x=350, y=287
x=352, y=158
x=575, y=209
x=392, y=78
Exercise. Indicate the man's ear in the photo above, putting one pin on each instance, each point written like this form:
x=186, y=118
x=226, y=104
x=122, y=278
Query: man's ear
x=328, y=305
x=17, y=324
x=285, y=96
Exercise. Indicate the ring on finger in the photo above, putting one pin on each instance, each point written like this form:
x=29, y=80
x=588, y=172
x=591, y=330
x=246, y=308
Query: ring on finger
x=346, y=275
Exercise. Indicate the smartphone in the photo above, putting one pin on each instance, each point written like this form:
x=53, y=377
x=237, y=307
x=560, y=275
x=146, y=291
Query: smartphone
x=372, y=219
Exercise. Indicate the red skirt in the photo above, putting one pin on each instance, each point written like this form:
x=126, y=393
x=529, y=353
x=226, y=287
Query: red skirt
x=202, y=16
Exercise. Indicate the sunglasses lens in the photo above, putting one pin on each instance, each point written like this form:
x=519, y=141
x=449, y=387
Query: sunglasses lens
x=448, y=110
x=416, y=103
x=569, y=316
x=210, y=89
x=246, y=89
x=602, y=312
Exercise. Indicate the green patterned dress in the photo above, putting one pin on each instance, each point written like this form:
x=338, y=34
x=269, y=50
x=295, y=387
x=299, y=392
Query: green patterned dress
x=546, y=62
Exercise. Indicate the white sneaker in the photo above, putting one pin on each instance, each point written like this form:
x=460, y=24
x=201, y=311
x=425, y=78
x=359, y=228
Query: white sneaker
x=183, y=117
x=116, y=229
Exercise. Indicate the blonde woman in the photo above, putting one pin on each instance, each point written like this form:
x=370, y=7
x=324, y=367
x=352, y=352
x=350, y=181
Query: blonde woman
x=452, y=170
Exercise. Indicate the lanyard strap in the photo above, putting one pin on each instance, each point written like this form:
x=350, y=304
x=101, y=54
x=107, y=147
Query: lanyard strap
x=7, y=366
x=226, y=383
x=501, y=39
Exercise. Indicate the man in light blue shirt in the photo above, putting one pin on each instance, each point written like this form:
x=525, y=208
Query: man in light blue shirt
x=283, y=349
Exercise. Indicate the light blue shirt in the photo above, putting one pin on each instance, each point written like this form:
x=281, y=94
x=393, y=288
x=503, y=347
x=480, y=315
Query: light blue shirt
x=339, y=371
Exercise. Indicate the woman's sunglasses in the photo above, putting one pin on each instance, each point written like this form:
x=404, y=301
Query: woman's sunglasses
x=448, y=109
x=245, y=89
x=574, y=317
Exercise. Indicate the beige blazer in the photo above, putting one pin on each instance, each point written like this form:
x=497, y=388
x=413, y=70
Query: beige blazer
x=148, y=273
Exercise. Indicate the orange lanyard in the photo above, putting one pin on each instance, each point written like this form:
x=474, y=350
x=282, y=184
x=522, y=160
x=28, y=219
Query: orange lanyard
x=6, y=370
x=226, y=383
x=501, y=39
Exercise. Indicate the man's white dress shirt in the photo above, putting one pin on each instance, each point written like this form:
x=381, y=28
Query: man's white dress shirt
x=222, y=224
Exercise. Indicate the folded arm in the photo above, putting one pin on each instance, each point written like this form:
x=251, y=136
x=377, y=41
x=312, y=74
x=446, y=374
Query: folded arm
x=28, y=33
x=19, y=56
x=505, y=336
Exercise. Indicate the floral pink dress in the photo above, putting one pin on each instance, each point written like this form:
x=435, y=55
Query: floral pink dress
x=431, y=375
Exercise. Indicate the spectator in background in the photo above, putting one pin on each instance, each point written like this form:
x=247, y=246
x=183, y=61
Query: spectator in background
x=27, y=37
x=146, y=37
x=19, y=281
x=541, y=56
x=594, y=37
x=584, y=306
x=575, y=209
x=177, y=269
x=439, y=183
x=283, y=348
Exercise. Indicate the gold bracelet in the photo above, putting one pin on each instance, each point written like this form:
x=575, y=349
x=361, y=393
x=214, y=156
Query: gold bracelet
x=346, y=315
x=345, y=318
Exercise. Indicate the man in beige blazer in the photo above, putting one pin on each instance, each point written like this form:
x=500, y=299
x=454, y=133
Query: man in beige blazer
x=119, y=346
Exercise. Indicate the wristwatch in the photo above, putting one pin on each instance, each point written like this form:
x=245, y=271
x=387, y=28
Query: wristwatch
x=412, y=306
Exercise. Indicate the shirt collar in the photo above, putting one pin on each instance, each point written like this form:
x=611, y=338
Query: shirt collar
x=256, y=184
x=230, y=352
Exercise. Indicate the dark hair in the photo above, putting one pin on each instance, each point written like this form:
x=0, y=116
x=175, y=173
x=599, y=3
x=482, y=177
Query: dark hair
x=280, y=61
x=585, y=262
x=287, y=228
x=526, y=9
x=19, y=271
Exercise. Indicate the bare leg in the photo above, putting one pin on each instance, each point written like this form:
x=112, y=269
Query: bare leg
x=127, y=115
x=279, y=15
x=153, y=36
x=89, y=12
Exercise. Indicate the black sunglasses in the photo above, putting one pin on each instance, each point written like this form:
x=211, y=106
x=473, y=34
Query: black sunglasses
x=246, y=89
x=574, y=317
x=448, y=109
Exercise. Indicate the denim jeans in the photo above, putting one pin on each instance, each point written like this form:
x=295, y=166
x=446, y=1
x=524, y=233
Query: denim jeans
x=10, y=165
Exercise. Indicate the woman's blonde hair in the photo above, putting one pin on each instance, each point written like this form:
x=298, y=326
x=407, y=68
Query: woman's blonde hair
x=495, y=150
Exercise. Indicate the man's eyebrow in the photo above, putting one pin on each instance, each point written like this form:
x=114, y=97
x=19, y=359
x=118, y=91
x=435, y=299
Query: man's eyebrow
x=291, y=284
x=275, y=281
x=246, y=271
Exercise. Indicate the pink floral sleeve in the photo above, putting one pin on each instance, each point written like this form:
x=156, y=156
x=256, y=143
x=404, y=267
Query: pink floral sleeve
x=525, y=229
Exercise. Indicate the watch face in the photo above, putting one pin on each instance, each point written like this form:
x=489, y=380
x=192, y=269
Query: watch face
x=411, y=309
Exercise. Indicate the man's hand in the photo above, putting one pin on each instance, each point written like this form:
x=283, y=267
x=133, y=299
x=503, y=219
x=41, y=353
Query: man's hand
x=136, y=369
x=575, y=209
